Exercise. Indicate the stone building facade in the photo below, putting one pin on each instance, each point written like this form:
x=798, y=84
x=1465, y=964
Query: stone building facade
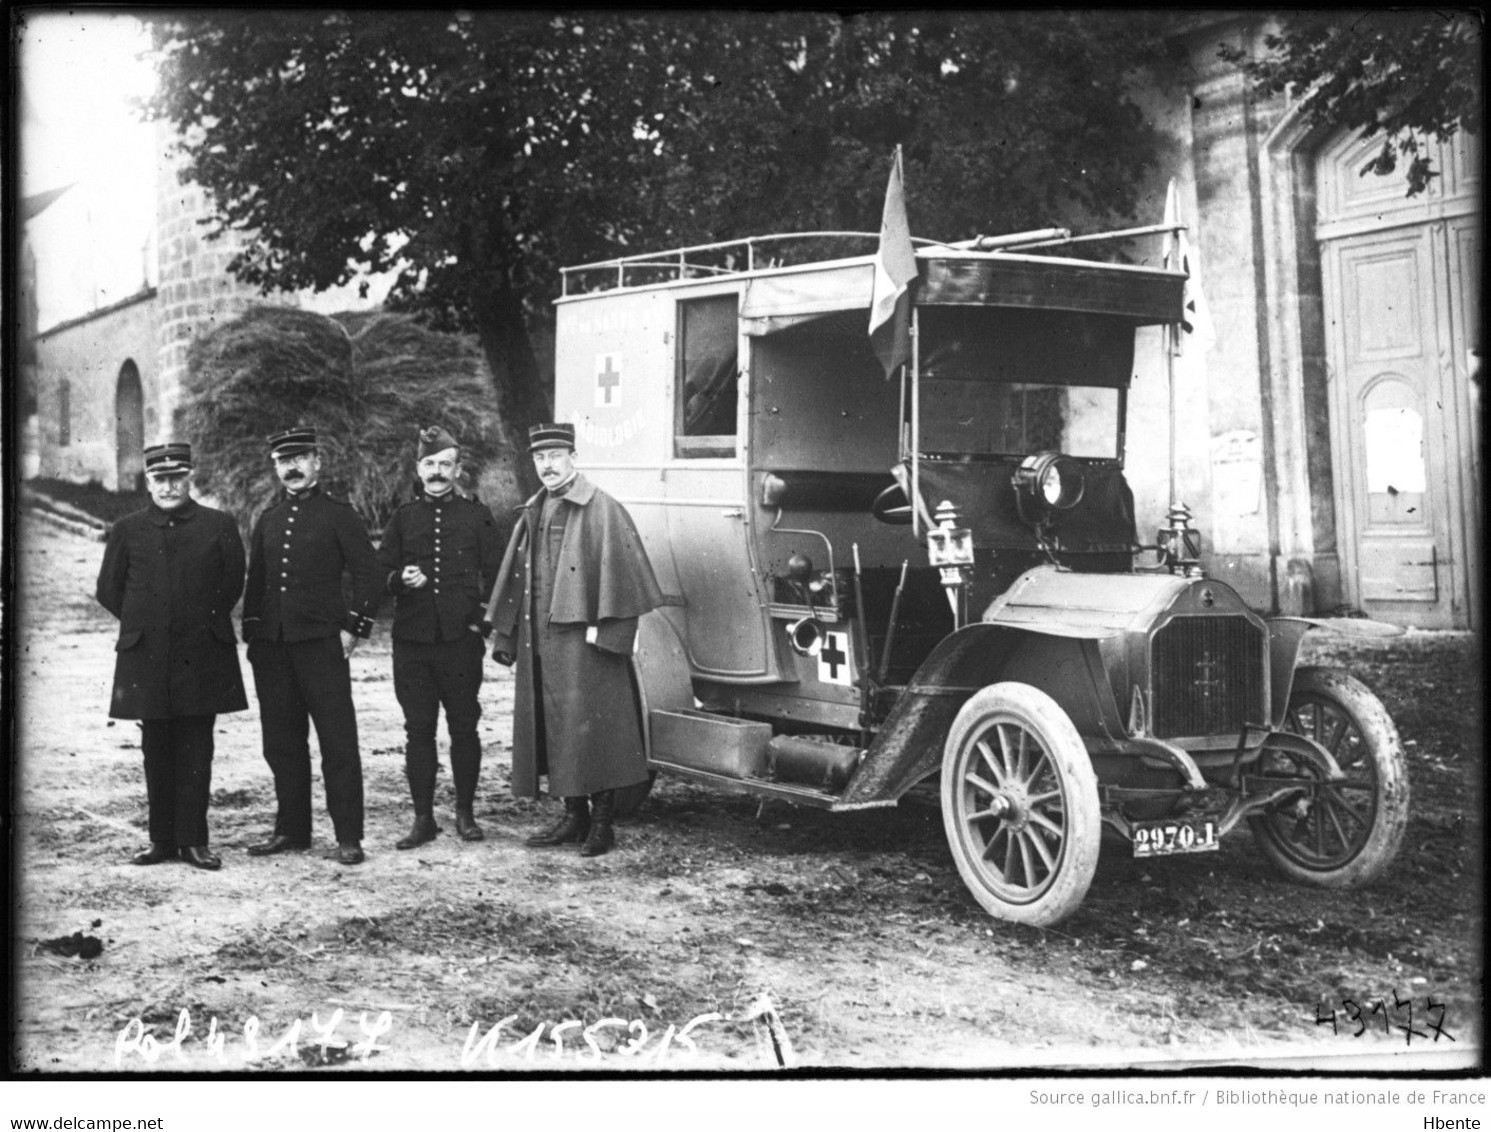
x=196, y=291
x=97, y=393
x=108, y=381
x=1333, y=431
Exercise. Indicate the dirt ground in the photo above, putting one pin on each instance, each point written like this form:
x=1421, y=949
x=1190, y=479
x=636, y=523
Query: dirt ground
x=717, y=936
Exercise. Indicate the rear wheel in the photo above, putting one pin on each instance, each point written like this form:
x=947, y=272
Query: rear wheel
x=1020, y=805
x=1338, y=834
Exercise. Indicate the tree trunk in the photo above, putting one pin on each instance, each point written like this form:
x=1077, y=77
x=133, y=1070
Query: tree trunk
x=524, y=396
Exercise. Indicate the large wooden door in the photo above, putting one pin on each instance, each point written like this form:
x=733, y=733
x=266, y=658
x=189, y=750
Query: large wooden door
x=1401, y=281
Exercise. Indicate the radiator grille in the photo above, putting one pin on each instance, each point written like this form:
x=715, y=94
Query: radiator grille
x=1207, y=675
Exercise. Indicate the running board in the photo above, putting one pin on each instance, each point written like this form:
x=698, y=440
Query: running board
x=760, y=787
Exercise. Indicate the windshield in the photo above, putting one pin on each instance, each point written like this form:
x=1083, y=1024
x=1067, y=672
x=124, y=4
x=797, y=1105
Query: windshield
x=1005, y=382
x=978, y=418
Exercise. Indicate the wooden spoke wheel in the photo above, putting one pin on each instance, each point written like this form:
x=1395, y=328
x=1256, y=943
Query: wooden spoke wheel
x=1020, y=805
x=1336, y=834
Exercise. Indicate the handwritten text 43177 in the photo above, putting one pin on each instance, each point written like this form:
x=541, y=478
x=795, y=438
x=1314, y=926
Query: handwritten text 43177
x=1363, y=1014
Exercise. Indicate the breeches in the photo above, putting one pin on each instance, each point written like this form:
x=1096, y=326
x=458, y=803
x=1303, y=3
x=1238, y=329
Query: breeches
x=300, y=683
x=178, y=777
x=427, y=677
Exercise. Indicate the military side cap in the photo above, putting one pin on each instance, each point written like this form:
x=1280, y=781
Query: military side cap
x=543, y=436
x=435, y=439
x=168, y=459
x=293, y=441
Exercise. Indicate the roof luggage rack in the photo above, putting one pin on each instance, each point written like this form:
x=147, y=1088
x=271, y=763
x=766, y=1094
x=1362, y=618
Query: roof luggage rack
x=748, y=254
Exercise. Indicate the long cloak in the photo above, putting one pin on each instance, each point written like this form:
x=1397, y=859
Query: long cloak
x=578, y=723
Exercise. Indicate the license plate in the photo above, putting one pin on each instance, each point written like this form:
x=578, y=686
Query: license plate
x=1166, y=838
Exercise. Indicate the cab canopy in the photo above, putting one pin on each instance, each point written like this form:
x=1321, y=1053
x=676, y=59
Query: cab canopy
x=1070, y=320
x=777, y=300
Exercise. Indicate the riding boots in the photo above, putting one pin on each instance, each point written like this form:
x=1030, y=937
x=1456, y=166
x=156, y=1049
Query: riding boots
x=466, y=826
x=574, y=826
x=601, y=836
x=423, y=830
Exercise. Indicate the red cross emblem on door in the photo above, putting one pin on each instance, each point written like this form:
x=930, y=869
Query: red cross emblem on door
x=608, y=381
x=833, y=660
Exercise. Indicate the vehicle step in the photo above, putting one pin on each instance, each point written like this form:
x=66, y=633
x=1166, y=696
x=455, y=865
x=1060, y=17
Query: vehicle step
x=759, y=787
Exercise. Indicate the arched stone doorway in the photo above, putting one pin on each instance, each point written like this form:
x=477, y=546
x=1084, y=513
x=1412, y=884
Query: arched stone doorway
x=129, y=429
x=1400, y=294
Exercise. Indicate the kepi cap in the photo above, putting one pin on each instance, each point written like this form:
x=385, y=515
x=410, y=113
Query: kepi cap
x=435, y=439
x=293, y=441
x=542, y=436
x=168, y=459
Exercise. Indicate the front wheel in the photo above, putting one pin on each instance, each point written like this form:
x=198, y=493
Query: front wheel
x=1020, y=805
x=1338, y=834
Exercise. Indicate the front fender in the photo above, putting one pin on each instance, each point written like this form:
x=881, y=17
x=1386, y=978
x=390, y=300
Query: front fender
x=908, y=746
x=1286, y=634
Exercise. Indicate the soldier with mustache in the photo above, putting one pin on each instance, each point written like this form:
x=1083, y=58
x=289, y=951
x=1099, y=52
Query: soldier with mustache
x=440, y=554
x=301, y=631
x=570, y=590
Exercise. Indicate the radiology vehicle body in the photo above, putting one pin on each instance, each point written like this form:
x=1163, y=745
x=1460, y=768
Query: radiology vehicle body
x=938, y=577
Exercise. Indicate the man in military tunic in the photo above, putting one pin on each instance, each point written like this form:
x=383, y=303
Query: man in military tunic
x=171, y=574
x=301, y=632
x=440, y=554
x=569, y=592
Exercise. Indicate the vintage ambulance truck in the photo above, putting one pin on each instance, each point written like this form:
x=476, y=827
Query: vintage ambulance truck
x=937, y=577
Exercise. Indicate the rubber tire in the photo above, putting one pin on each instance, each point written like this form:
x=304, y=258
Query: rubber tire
x=1060, y=893
x=1380, y=744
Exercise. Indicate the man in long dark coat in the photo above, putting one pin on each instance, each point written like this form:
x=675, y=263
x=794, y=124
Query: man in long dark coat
x=301, y=631
x=440, y=554
x=570, y=590
x=171, y=574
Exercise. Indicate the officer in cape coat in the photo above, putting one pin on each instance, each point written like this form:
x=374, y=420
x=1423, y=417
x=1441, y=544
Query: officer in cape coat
x=440, y=555
x=574, y=581
x=171, y=574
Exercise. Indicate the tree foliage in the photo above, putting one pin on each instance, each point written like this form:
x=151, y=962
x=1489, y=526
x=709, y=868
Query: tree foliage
x=1410, y=74
x=368, y=382
x=477, y=152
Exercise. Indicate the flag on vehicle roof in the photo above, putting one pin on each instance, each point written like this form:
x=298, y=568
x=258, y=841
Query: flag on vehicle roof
x=1195, y=315
x=895, y=268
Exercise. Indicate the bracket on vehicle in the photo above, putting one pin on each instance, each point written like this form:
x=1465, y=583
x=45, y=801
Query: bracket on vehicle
x=1307, y=750
x=1183, y=764
x=1310, y=751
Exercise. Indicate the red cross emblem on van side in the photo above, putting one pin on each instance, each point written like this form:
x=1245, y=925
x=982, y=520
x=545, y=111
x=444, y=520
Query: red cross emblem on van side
x=607, y=381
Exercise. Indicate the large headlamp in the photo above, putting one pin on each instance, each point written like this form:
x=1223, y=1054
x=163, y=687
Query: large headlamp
x=1046, y=483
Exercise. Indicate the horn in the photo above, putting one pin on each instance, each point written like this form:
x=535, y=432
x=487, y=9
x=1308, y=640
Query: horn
x=806, y=636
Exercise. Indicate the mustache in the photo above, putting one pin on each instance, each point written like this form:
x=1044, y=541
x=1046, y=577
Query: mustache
x=437, y=479
x=294, y=475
